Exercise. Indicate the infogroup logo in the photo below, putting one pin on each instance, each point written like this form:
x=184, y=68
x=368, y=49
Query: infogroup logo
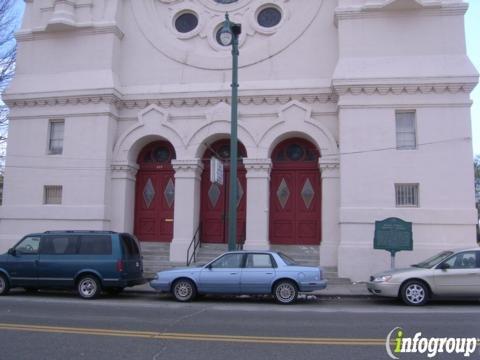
x=397, y=343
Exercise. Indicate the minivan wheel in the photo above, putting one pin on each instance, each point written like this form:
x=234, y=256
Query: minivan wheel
x=89, y=287
x=415, y=293
x=4, y=285
x=285, y=292
x=184, y=290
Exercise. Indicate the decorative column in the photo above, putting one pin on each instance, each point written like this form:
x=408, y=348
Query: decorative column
x=330, y=172
x=123, y=197
x=187, y=206
x=258, y=197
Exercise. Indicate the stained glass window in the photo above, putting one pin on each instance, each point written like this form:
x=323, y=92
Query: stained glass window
x=269, y=17
x=169, y=193
x=214, y=194
x=186, y=22
x=283, y=193
x=307, y=193
x=148, y=193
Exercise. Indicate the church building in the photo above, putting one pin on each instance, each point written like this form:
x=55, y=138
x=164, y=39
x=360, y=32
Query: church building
x=350, y=112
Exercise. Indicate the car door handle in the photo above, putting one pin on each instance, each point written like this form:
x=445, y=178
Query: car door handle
x=269, y=273
x=233, y=273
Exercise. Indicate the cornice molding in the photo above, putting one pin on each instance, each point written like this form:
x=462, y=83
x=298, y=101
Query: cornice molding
x=257, y=168
x=359, y=12
x=80, y=30
x=124, y=171
x=397, y=89
x=339, y=88
x=188, y=168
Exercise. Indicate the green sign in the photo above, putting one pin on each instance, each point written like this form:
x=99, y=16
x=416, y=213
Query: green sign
x=393, y=234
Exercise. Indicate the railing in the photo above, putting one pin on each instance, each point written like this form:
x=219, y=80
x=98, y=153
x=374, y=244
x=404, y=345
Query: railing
x=243, y=236
x=195, y=244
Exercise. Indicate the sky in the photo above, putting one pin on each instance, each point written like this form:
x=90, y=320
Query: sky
x=472, y=31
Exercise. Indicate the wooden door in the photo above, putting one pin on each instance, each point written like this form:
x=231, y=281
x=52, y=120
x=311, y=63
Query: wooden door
x=215, y=197
x=155, y=194
x=295, y=194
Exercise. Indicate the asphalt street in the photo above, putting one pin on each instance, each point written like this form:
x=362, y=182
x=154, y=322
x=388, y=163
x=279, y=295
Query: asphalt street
x=52, y=325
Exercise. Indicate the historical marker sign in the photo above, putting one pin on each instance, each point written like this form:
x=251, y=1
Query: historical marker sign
x=393, y=234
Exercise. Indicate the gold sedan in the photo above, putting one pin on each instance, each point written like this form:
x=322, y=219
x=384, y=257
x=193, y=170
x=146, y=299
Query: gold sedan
x=453, y=273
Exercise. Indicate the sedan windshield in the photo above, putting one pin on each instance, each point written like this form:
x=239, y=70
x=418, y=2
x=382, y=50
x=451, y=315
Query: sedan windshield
x=434, y=260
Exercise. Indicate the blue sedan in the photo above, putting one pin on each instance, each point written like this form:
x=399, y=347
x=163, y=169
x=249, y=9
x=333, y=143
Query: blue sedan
x=242, y=272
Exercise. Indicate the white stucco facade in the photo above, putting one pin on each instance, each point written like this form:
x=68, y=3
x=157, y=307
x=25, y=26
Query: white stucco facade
x=334, y=73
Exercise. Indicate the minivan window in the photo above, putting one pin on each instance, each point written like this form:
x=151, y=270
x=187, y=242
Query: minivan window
x=129, y=247
x=95, y=245
x=29, y=245
x=56, y=245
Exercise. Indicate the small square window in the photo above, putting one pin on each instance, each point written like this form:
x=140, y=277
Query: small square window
x=406, y=195
x=52, y=194
x=406, y=130
x=55, y=140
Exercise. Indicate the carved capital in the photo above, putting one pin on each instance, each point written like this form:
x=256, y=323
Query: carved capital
x=124, y=171
x=188, y=168
x=258, y=168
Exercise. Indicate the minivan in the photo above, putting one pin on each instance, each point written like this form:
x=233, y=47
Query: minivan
x=88, y=261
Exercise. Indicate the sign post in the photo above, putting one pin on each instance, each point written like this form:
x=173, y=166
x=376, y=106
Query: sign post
x=393, y=235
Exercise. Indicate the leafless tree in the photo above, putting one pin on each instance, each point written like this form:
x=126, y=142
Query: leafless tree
x=10, y=12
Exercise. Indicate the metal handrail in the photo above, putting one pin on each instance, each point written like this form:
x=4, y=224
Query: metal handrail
x=243, y=237
x=196, y=244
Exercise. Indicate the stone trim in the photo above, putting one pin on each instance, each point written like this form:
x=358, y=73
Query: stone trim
x=338, y=89
x=128, y=172
x=79, y=30
x=188, y=168
x=329, y=168
x=258, y=168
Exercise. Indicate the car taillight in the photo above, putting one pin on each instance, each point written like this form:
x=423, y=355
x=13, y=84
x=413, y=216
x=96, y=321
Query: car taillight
x=120, y=266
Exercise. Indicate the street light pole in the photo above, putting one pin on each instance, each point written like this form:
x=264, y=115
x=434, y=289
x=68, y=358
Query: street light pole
x=229, y=36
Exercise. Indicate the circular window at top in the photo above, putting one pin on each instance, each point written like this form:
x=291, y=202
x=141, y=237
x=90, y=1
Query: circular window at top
x=186, y=22
x=295, y=152
x=161, y=154
x=269, y=17
x=225, y=1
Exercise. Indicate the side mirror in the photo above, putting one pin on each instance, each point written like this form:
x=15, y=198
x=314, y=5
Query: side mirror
x=11, y=251
x=444, y=266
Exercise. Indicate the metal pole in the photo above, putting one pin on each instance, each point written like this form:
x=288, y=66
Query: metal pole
x=392, y=260
x=232, y=208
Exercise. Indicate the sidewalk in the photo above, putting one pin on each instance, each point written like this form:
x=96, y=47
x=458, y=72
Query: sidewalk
x=347, y=290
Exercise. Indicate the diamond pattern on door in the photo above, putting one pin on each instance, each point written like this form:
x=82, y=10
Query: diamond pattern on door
x=148, y=193
x=307, y=193
x=283, y=193
x=169, y=193
x=214, y=194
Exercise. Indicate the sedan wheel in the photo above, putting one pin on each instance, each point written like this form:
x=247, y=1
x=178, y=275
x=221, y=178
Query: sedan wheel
x=285, y=292
x=4, y=286
x=88, y=287
x=415, y=293
x=184, y=290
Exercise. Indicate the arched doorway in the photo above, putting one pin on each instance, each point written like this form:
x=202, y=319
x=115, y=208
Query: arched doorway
x=155, y=193
x=295, y=194
x=214, y=197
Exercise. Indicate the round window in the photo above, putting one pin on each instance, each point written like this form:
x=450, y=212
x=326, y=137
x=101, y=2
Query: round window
x=186, y=22
x=295, y=152
x=161, y=154
x=269, y=17
x=225, y=1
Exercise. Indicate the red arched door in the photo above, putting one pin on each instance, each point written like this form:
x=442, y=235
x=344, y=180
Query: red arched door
x=214, y=197
x=295, y=194
x=155, y=193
